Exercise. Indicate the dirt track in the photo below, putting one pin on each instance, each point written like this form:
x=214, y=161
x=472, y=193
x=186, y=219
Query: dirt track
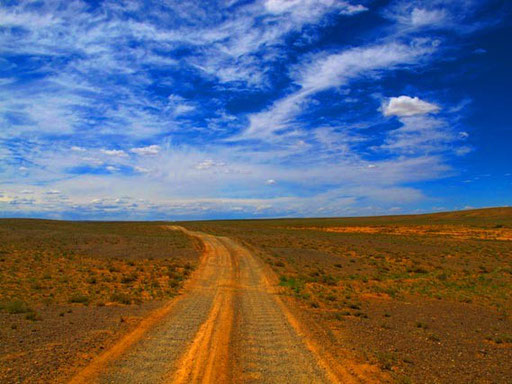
x=228, y=326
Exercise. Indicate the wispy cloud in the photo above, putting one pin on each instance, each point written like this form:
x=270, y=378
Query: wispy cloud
x=150, y=150
x=261, y=108
x=323, y=72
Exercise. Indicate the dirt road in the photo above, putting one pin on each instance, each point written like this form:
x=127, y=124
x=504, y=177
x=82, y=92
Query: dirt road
x=228, y=327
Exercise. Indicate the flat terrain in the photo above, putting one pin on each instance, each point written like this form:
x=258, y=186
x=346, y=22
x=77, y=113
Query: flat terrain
x=427, y=298
x=408, y=299
x=68, y=290
x=228, y=326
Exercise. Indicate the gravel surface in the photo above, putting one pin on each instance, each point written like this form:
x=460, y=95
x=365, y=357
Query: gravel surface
x=229, y=326
x=266, y=346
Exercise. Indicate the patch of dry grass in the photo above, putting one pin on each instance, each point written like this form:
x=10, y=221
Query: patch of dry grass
x=49, y=262
x=399, y=289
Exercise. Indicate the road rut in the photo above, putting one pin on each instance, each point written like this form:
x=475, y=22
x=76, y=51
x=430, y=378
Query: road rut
x=228, y=327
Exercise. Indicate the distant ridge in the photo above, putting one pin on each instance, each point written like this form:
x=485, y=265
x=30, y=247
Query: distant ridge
x=495, y=212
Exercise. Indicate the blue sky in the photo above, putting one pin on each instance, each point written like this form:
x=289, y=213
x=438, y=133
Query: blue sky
x=225, y=109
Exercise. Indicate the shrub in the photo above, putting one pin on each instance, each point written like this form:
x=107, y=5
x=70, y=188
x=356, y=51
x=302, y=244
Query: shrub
x=420, y=324
x=33, y=316
x=295, y=284
x=79, y=298
x=17, y=306
x=433, y=337
x=329, y=280
x=129, y=278
x=173, y=275
x=121, y=298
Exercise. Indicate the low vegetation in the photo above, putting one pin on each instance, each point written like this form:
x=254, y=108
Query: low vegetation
x=72, y=288
x=48, y=262
x=400, y=289
x=428, y=298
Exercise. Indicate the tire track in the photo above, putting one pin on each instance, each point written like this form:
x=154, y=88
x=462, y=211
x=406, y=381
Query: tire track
x=228, y=327
x=267, y=347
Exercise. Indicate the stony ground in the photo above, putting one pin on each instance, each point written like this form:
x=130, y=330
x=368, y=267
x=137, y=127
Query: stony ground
x=410, y=299
x=69, y=291
x=228, y=326
x=427, y=298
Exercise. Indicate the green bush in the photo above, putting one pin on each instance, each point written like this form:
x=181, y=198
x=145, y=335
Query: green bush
x=33, y=316
x=79, y=298
x=17, y=306
x=121, y=298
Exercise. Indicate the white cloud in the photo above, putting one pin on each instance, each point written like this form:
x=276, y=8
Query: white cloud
x=150, y=150
x=141, y=169
x=421, y=134
x=407, y=106
x=208, y=164
x=462, y=151
x=463, y=135
x=424, y=17
x=308, y=9
x=114, y=152
x=179, y=105
x=92, y=160
x=183, y=109
x=99, y=94
x=330, y=71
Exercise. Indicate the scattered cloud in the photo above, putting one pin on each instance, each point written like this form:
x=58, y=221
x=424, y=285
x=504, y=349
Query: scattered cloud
x=413, y=15
x=323, y=72
x=209, y=164
x=310, y=9
x=419, y=135
x=240, y=96
x=141, y=169
x=114, y=152
x=111, y=168
x=150, y=150
x=462, y=151
x=427, y=17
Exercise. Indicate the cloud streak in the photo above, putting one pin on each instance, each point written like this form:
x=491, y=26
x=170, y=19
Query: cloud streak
x=258, y=108
x=324, y=72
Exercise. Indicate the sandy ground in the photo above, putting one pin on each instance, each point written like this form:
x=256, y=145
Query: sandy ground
x=229, y=326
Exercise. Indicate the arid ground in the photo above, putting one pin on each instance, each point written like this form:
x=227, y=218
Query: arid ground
x=407, y=299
